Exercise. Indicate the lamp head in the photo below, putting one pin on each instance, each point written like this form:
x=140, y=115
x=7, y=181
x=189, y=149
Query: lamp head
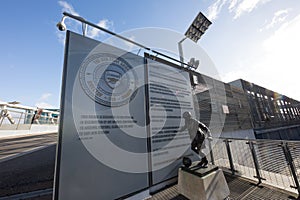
x=61, y=25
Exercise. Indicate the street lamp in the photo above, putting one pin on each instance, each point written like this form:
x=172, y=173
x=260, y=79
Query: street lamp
x=195, y=31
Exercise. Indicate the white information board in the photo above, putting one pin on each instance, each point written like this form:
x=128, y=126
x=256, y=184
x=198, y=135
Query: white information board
x=102, y=150
x=170, y=95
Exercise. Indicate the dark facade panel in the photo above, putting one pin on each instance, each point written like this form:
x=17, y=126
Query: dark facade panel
x=214, y=97
x=271, y=110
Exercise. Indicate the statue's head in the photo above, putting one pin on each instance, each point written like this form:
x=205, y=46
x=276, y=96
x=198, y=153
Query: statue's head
x=187, y=115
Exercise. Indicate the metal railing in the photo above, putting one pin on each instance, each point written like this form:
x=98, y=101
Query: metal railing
x=12, y=119
x=272, y=162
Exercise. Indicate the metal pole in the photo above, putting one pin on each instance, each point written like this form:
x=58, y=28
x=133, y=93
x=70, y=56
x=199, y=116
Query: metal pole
x=158, y=53
x=229, y=156
x=256, y=164
x=121, y=37
x=103, y=29
x=2, y=116
x=19, y=121
x=290, y=162
x=181, y=51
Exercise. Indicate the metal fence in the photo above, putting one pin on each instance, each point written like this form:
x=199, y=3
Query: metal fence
x=17, y=119
x=276, y=163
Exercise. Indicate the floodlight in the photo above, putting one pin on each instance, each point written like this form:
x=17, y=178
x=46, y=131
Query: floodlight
x=194, y=32
x=198, y=27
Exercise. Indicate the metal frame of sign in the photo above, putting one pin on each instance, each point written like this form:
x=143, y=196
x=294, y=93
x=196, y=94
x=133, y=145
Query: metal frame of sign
x=62, y=106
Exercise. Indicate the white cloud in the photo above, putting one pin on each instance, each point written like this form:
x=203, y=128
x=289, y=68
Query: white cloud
x=215, y=9
x=42, y=101
x=282, y=57
x=77, y=26
x=104, y=23
x=234, y=75
x=279, y=17
x=44, y=105
x=232, y=5
x=238, y=7
x=66, y=7
x=247, y=6
x=277, y=68
x=45, y=96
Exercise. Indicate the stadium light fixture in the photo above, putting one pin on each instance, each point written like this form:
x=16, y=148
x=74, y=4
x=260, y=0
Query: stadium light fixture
x=194, y=32
x=198, y=27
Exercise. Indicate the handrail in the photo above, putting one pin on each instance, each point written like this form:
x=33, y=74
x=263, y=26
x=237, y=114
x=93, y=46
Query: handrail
x=262, y=140
x=16, y=118
x=274, y=162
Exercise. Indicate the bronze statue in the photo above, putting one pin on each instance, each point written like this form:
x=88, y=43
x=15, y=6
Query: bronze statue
x=198, y=133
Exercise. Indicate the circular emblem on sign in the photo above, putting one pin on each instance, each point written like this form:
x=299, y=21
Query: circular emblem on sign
x=107, y=79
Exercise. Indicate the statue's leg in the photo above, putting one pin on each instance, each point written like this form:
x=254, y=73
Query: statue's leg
x=204, y=160
x=195, y=150
x=194, y=146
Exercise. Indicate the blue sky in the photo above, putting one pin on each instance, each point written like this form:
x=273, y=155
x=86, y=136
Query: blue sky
x=257, y=40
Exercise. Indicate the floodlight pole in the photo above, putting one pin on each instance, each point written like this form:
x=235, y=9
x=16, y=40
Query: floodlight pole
x=194, y=32
x=181, y=51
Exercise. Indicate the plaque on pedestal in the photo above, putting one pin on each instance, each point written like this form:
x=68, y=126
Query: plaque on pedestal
x=198, y=183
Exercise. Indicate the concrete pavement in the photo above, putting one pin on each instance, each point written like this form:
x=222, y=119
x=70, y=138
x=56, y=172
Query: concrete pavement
x=11, y=147
x=27, y=163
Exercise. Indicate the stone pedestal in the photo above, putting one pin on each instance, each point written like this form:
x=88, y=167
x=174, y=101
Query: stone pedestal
x=202, y=183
